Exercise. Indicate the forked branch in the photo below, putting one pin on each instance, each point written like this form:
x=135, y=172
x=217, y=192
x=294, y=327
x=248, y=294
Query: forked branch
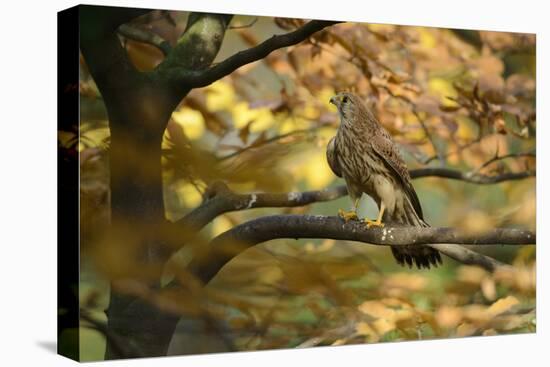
x=202, y=78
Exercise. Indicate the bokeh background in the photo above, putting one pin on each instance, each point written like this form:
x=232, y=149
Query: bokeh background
x=453, y=98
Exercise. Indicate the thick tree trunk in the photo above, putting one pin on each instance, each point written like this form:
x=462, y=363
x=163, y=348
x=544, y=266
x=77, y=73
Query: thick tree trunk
x=137, y=122
x=139, y=106
x=138, y=111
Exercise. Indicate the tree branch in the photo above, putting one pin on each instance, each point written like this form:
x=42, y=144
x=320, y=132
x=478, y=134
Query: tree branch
x=468, y=257
x=471, y=177
x=227, y=245
x=498, y=158
x=140, y=35
x=220, y=199
x=319, y=226
x=201, y=78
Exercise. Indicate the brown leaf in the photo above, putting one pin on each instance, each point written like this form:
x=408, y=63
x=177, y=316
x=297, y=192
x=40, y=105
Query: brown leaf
x=495, y=96
x=245, y=132
x=466, y=329
x=248, y=37
x=471, y=274
x=408, y=281
x=144, y=57
x=449, y=108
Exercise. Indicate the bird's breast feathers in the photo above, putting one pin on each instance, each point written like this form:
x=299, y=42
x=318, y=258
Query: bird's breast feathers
x=357, y=159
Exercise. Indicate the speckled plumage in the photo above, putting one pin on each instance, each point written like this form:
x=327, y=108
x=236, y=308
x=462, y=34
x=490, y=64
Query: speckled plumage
x=364, y=154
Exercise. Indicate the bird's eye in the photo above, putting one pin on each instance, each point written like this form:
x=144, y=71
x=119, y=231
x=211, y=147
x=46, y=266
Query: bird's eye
x=345, y=99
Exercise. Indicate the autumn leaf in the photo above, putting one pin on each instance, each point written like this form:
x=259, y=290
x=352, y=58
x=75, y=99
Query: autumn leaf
x=502, y=305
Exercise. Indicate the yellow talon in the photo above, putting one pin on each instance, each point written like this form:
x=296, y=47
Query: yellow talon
x=378, y=222
x=347, y=216
x=374, y=223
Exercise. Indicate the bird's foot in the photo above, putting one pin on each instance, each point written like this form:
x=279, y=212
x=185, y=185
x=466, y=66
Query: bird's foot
x=374, y=223
x=347, y=216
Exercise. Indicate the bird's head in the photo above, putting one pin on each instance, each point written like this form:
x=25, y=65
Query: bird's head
x=351, y=108
x=347, y=104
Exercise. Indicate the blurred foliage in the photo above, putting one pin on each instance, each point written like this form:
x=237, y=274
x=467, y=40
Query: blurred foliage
x=463, y=99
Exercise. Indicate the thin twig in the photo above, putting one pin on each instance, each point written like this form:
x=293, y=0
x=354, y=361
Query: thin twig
x=449, y=154
x=143, y=36
x=244, y=25
x=271, y=140
x=427, y=133
x=498, y=157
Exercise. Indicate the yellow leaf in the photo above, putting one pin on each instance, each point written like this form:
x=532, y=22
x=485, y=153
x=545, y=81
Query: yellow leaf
x=502, y=305
x=408, y=281
x=488, y=288
x=191, y=121
x=382, y=326
x=220, y=96
x=260, y=118
x=477, y=314
x=489, y=332
x=427, y=39
x=521, y=277
x=377, y=310
x=465, y=329
x=242, y=115
x=364, y=329
x=471, y=274
x=317, y=171
x=187, y=195
x=292, y=123
x=271, y=275
x=309, y=112
x=339, y=342
x=466, y=128
x=509, y=322
x=390, y=309
x=443, y=89
x=326, y=245
x=448, y=317
x=381, y=27
x=262, y=121
x=324, y=135
x=477, y=221
x=95, y=135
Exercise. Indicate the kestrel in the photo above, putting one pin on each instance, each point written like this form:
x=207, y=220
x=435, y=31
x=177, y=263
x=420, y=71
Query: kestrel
x=364, y=154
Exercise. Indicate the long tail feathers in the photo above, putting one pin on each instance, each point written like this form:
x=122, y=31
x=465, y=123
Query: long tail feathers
x=421, y=256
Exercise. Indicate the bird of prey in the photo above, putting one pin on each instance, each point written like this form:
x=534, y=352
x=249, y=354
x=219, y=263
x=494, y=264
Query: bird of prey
x=364, y=154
